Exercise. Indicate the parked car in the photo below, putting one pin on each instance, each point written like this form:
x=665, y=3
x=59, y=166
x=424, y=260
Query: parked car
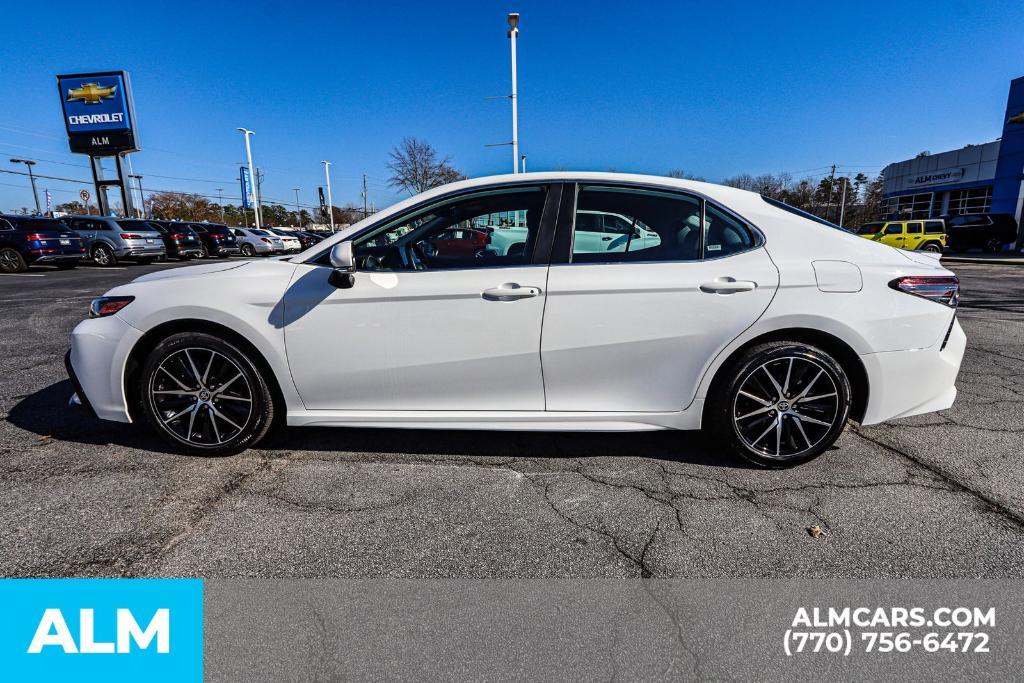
x=926, y=235
x=216, y=240
x=986, y=231
x=291, y=242
x=307, y=239
x=180, y=241
x=106, y=242
x=370, y=329
x=595, y=232
x=27, y=241
x=253, y=241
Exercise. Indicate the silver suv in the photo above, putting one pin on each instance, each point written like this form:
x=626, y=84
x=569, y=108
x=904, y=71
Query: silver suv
x=107, y=242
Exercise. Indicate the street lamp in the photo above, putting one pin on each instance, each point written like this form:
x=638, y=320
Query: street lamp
x=252, y=176
x=32, y=179
x=220, y=202
x=330, y=204
x=513, y=34
x=298, y=210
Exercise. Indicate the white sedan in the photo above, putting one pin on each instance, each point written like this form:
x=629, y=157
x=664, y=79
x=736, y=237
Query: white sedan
x=766, y=326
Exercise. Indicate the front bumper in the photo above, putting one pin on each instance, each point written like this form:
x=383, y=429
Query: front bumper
x=96, y=364
x=905, y=383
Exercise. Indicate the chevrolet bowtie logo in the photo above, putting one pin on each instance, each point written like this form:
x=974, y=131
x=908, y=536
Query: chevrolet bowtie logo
x=91, y=93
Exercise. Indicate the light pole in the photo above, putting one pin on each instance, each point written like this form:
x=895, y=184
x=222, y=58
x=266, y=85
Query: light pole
x=32, y=178
x=220, y=202
x=330, y=204
x=298, y=211
x=252, y=176
x=137, y=186
x=513, y=34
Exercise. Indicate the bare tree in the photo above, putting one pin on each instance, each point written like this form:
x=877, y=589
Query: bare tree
x=415, y=167
x=683, y=175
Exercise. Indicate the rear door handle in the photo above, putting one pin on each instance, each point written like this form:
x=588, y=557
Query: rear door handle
x=728, y=285
x=509, y=291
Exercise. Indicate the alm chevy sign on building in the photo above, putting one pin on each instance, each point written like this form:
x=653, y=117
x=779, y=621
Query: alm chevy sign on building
x=941, y=177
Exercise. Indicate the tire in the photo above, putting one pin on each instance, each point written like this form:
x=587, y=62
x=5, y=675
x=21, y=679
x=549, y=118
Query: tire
x=230, y=411
x=934, y=247
x=104, y=256
x=248, y=250
x=205, y=252
x=747, y=422
x=11, y=261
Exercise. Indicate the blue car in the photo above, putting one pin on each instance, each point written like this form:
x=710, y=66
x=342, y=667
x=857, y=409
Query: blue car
x=31, y=240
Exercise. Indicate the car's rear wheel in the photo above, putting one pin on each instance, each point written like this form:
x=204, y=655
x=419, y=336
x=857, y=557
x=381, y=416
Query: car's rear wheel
x=780, y=404
x=204, y=395
x=248, y=250
x=934, y=247
x=11, y=261
x=104, y=255
x=204, y=252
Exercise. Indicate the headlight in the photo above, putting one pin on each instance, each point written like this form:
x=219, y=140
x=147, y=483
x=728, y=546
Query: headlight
x=108, y=305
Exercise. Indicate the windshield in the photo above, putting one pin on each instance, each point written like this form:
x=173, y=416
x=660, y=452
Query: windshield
x=39, y=224
x=800, y=212
x=870, y=229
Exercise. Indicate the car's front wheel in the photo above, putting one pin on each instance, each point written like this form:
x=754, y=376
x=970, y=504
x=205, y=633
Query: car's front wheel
x=11, y=261
x=780, y=404
x=204, y=395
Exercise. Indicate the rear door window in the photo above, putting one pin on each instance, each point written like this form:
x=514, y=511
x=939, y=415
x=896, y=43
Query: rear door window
x=915, y=228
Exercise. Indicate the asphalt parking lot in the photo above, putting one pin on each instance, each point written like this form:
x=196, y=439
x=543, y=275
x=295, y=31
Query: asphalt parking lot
x=940, y=495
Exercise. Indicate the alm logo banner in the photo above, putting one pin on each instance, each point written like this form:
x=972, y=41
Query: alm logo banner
x=102, y=629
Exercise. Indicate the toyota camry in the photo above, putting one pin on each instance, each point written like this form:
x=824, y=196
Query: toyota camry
x=632, y=303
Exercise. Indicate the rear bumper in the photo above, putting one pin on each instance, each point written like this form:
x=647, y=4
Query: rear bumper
x=141, y=251
x=56, y=258
x=905, y=383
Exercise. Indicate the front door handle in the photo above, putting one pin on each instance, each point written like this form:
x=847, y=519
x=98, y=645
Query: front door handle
x=509, y=291
x=728, y=285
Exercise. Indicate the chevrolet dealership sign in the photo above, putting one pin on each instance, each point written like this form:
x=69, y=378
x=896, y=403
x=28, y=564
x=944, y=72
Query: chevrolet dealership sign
x=98, y=112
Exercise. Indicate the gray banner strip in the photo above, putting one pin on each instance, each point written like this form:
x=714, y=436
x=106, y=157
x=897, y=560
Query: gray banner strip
x=608, y=629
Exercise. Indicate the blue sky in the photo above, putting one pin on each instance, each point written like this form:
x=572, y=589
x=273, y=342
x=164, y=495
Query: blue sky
x=645, y=87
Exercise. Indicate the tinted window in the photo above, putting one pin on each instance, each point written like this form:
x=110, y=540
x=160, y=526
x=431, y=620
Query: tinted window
x=650, y=226
x=894, y=229
x=38, y=224
x=934, y=227
x=869, y=229
x=4, y=225
x=914, y=228
x=136, y=225
x=506, y=222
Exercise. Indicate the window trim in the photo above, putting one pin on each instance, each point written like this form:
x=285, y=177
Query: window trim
x=567, y=224
x=542, y=249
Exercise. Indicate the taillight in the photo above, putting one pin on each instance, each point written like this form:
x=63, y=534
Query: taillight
x=108, y=305
x=32, y=236
x=177, y=237
x=265, y=240
x=130, y=236
x=940, y=289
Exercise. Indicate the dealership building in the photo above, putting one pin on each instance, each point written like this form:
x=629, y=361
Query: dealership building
x=984, y=178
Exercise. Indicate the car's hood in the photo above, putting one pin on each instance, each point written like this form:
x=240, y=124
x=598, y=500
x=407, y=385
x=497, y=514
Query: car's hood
x=190, y=271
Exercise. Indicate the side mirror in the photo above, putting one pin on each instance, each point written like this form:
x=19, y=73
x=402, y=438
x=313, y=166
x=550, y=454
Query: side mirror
x=343, y=264
x=342, y=258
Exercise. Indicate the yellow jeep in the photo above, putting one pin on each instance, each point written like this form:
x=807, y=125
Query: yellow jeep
x=924, y=235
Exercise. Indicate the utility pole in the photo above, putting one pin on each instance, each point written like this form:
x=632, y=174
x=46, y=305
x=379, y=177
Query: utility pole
x=259, y=194
x=831, y=187
x=298, y=211
x=842, y=205
x=32, y=179
x=220, y=202
x=252, y=176
x=330, y=203
x=513, y=35
x=364, y=196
